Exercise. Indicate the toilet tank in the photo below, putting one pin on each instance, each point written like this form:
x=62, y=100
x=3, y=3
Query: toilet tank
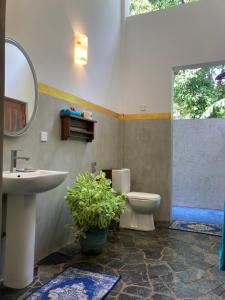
x=121, y=181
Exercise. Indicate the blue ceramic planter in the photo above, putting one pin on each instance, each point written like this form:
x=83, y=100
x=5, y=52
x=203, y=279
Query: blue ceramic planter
x=94, y=241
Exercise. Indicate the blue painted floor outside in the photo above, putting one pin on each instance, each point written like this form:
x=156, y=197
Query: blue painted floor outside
x=180, y=213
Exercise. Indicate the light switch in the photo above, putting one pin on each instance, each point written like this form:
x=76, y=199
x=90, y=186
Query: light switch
x=44, y=136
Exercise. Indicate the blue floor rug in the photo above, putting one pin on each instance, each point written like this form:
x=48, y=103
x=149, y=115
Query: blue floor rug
x=75, y=284
x=213, y=229
x=200, y=215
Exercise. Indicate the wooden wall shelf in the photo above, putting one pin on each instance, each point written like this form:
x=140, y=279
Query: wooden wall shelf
x=77, y=128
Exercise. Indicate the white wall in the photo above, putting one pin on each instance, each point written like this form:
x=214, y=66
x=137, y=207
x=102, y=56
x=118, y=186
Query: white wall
x=153, y=44
x=46, y=29
x=156, y=42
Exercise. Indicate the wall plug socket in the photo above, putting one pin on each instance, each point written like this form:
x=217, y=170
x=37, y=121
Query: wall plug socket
x=93, y=167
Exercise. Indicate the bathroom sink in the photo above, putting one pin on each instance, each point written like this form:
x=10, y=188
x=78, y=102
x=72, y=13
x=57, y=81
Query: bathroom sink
x=21, y=189
x=33, y=182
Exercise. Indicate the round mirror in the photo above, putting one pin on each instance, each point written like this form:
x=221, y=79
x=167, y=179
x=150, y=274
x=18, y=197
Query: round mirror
x=21, y=92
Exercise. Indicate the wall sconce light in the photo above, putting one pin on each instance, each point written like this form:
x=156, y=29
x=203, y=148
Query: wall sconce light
x=81, y=49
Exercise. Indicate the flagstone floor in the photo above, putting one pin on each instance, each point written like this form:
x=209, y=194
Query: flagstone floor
x=161, y=265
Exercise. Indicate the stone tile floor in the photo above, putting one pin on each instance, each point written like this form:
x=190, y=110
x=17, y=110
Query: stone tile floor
x=162, y=265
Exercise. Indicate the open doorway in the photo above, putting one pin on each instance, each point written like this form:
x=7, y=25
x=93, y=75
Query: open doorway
x=199, y=144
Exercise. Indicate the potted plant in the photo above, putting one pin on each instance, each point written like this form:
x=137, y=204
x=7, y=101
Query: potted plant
x=94, y=205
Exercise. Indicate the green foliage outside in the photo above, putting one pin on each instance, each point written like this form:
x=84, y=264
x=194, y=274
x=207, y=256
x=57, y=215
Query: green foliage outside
x=93, y=203
x=143, y=6
x=197, y=94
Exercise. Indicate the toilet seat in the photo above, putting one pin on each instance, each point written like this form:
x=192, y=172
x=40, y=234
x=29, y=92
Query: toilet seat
x=143, y=196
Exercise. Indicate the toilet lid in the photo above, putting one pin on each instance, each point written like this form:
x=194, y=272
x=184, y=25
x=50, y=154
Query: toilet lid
x=143, y=196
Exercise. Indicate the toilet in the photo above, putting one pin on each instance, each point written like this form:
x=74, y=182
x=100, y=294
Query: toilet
x=140, y=207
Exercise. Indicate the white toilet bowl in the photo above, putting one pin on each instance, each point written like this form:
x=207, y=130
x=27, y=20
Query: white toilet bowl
x=140, y=207
x=143, y=206
x=144, y=203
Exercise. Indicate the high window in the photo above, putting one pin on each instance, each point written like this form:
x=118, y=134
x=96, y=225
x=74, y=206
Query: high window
x=143, y=6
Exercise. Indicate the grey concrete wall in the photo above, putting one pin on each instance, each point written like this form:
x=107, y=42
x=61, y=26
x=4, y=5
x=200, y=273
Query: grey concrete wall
x=73, y=156
x=142, y=145
x=147, y=152
x=199, y=163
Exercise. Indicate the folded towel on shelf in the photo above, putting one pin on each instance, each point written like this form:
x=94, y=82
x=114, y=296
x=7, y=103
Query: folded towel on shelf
x=69, y=112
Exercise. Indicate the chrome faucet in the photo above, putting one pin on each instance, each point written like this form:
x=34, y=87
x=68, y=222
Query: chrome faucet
x=14, y=158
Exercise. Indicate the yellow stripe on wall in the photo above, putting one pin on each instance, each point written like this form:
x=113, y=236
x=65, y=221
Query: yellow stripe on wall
x=51, y=91
x=149, y=116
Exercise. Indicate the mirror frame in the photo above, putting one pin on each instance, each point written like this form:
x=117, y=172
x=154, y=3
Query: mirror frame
x=22, y=131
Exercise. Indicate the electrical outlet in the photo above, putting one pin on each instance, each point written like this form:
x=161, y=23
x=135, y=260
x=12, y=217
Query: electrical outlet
x=143, y=107
x=44, y=136
x=93, y=167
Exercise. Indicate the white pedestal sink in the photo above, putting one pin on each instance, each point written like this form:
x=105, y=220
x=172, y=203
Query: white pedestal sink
x=20, y=223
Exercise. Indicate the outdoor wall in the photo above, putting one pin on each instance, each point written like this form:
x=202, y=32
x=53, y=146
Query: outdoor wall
x=71, y=155
x=157, y=42
x=199, y=163
x=46, y=29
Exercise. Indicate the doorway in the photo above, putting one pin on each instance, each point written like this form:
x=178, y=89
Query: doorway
x=199, y=144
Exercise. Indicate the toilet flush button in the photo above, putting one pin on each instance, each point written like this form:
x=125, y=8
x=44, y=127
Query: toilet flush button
x=44, y=136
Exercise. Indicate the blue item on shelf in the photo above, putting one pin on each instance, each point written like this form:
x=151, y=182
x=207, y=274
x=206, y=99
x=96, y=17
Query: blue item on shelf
x=69, y=112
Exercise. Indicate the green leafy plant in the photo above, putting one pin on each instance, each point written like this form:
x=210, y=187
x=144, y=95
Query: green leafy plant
x=197, y=93
x=93, y=203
